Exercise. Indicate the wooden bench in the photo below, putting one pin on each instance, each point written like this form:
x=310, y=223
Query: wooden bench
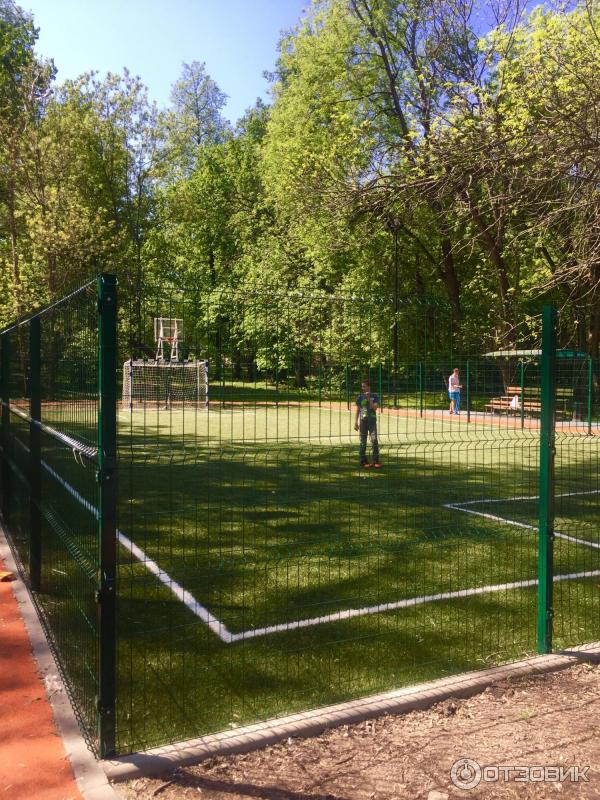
x=506, y=403
x=531, y=399
x=531, y=402
x=499, y=404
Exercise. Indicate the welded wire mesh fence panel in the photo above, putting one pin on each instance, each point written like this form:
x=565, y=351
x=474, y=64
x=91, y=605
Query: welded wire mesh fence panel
x=576, y=502
x=319, y=497
x=56, y=450
x=17, y=496
x=263, y=570
x=69, y=344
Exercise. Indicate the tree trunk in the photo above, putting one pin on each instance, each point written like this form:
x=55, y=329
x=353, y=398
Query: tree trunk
x=594, y=333
x=451, y=279
x=395, y=347
x=237, y=365
x=300, y=372
x=493, y=250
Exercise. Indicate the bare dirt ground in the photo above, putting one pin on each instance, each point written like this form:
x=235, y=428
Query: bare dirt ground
x=551, y=720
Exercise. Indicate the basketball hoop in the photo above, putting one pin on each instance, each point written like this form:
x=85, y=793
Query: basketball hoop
x=168, y=330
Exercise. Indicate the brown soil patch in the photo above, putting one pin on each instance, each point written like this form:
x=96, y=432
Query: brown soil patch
x=551, y=720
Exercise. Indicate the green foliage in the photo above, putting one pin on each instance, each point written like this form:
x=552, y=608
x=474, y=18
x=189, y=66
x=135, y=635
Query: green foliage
x=195, y=118
x=404, y=154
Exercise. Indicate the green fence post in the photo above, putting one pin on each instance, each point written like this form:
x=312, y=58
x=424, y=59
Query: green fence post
x=590, y=393
x=5, y=423
x=35, y=476
x=420, y=379
x=522, y=397
x=388, y=372
x=221, y=368
x=546, y=489
x=380, y=385
x=468, y=391
x=107, y=516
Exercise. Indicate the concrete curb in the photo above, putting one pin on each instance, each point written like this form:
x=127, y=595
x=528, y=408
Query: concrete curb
x=312, y=723
x=91, y=779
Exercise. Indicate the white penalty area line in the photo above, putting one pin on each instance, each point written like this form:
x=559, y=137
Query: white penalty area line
x=515, y=499
x=167, y=581
x=410, y=602
x=513, y=522
x=226, y=636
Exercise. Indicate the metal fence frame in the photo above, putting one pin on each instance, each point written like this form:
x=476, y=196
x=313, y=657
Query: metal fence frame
x=104, y=738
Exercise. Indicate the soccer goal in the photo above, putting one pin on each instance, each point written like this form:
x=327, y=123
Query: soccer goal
x=168, y=380
x=165, y=383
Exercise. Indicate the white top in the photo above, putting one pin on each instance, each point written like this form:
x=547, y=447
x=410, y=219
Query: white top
x=453, y=383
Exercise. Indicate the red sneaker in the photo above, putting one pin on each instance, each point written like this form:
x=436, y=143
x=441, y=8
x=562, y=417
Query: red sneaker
x=365, y=466
x=376, y=466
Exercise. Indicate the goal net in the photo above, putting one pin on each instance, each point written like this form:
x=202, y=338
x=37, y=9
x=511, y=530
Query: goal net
x=165, y=383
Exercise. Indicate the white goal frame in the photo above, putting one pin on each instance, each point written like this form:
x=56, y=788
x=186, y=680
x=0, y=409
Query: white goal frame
x=165, y=384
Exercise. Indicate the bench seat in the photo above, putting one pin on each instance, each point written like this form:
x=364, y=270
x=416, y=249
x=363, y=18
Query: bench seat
x=531, y=401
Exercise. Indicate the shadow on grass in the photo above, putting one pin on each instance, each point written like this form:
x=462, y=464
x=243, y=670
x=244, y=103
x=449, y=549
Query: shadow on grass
x=262, y=535
x=302, y=531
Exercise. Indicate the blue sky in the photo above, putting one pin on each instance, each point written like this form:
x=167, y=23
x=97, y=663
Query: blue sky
x=236, y=38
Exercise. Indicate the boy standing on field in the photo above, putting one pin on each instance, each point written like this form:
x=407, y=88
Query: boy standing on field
x=366, y=422
x=454, y=388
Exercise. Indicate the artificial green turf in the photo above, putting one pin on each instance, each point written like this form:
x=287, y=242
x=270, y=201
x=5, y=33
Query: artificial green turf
x=263, y=516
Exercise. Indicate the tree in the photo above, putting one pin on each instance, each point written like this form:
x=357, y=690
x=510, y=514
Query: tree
x=552, y=87
x=368, y=94
x=24, y=89
x=195, y=119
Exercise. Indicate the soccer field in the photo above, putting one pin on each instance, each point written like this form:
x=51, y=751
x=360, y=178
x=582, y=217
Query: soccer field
x=262, y=572
x=205, y=550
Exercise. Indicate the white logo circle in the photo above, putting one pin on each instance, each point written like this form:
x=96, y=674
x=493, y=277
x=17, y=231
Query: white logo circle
x=465, y=773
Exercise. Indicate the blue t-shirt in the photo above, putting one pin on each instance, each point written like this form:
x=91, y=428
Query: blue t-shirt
x=365, y=406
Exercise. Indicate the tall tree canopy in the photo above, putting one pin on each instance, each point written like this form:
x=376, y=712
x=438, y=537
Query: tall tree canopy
x=428, y=149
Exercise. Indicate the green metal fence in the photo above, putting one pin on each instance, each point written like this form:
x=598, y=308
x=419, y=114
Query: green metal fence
x=58, y=448
x=211, y=552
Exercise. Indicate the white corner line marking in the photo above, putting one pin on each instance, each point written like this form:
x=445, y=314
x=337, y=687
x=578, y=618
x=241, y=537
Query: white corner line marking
x=515, y=523
x=221, y=630
x=407, y=603
x=180, y=593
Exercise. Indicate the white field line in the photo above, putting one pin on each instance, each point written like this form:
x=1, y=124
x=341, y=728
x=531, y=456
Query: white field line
x=408, y=603
x=181, y=594
x=507, y=521
x=221, y=630
x=514, y=499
